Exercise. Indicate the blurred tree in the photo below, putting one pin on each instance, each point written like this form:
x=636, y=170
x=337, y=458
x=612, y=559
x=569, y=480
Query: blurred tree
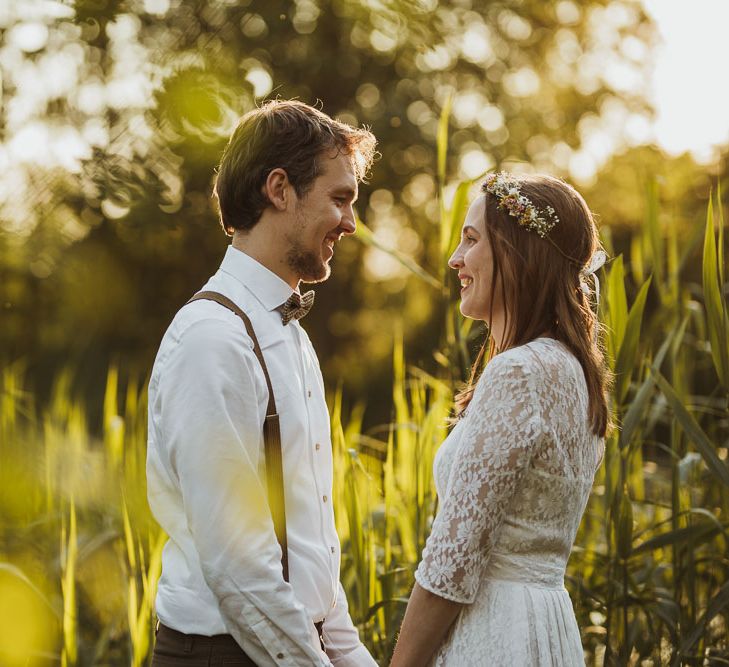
x=683, y=185
x=116, y=111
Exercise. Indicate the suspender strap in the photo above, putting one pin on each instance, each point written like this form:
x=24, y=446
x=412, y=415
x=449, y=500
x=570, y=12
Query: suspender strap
x=271, y=435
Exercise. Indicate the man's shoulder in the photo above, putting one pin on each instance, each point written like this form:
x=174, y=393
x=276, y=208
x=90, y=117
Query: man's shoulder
x=203, y=329
x=204, y=318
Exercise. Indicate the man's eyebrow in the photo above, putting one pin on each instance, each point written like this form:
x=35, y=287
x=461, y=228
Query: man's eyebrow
x=346, y=190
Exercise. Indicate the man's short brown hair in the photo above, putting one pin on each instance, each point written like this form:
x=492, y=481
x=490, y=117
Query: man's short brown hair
x=284, y=134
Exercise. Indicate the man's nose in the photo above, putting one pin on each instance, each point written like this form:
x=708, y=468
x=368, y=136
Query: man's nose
x=348, y=224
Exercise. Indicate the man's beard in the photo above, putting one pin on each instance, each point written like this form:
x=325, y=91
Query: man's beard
x=307, y=264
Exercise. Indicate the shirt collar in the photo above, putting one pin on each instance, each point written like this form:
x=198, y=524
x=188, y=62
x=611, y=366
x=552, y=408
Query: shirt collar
x=265, y=285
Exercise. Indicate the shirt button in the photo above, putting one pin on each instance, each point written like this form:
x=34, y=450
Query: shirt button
x=324, y=498
x=279, y=655
x=332, y=548
x=308, y=393
x=317, y=446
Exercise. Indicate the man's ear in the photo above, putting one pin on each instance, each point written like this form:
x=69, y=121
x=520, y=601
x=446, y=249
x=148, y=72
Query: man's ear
x=278, y=189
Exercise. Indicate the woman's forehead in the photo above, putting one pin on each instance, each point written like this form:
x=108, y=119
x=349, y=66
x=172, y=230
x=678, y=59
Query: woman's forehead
x=476, y=214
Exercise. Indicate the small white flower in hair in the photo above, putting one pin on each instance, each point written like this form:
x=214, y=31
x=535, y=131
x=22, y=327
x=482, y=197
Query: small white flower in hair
x=596, y=262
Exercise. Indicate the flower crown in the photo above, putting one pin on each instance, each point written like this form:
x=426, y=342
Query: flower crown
x=505, y=188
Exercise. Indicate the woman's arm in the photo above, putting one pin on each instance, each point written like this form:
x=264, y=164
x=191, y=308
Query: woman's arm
x=427, y=620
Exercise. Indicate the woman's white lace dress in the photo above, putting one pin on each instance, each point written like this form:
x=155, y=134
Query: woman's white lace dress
x=513, y=478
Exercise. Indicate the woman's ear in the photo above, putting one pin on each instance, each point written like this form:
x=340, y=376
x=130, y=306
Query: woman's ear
x=277, y=189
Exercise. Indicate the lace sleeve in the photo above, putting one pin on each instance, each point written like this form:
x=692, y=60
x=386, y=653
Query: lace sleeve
x=498, y=437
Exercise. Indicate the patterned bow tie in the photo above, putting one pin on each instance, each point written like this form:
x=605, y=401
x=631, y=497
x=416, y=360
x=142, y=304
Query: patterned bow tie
x=296, y=306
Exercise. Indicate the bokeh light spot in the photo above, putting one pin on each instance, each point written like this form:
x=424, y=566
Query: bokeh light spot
x=157, y=7
x=475, y=45
x=261, y=81
x=368, y=95
x=29, y=37
x=25, y=626
x=567, y=12
x=524, y=82
x=382, y=42
x=253, y=25
x=475, y=162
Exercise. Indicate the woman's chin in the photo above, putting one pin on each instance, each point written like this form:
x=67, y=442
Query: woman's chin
x=466, y=311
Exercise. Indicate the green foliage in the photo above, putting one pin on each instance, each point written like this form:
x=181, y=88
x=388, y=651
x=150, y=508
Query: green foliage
x=717, y=320
x=625, y=362
x=701, y=441
x=659, y=584
x=75, y=529
x=69, y=552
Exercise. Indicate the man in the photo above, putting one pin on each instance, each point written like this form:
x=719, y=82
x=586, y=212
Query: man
x=285, y=187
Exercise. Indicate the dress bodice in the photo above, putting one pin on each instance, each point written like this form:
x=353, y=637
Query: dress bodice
x=514, y=475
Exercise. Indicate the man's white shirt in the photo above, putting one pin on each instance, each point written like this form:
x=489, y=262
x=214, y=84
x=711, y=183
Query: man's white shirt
x=221, y=568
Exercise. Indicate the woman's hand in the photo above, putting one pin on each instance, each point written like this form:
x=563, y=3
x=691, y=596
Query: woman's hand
x=427, y=620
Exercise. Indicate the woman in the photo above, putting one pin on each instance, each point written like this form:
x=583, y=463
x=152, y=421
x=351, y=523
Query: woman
x=514, y=475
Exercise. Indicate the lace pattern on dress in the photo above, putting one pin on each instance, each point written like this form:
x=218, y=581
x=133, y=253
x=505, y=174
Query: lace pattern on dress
x=524, y=455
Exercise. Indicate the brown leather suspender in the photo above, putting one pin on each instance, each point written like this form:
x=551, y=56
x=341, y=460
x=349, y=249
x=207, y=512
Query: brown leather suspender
x=271, y=435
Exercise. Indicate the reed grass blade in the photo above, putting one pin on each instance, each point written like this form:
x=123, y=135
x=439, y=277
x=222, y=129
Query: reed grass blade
x=617, y=308
x=691, y=427
x=720, y=224
x=70, y=552
x=695, y=534
x=716, y=309
x=629, y=345
x=451, y=224
x=654, y=235
x=718, y=604
x=442, y=139
x=639, y=404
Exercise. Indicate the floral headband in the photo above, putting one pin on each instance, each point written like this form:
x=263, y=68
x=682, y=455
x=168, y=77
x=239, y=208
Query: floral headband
x=505, y=189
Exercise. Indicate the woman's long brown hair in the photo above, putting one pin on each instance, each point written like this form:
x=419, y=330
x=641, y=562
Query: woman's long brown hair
x=539, y=280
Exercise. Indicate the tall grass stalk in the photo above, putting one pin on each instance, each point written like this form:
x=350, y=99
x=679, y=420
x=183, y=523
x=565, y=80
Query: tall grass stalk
x=69, y=552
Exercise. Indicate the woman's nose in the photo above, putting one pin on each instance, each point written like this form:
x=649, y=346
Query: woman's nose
x=455, y=261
